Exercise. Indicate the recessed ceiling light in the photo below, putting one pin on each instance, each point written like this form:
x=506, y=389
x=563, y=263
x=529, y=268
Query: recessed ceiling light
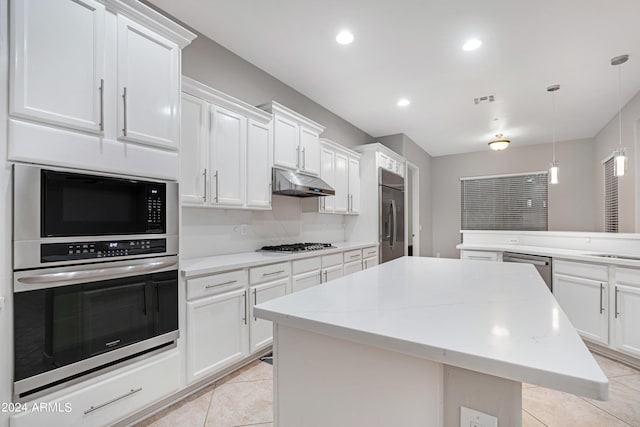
x=403, y=102
x=472, y=44
x=344, y=37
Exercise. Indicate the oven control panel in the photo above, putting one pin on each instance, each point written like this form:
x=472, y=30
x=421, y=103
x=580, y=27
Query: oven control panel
x=54, y=252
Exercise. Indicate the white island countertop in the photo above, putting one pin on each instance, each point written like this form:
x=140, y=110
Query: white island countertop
x=495, y=318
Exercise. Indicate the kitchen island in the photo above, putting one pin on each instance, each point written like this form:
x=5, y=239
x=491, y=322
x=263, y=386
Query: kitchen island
x=411, y=341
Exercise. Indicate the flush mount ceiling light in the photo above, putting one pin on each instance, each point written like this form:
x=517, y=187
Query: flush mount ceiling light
x=403, y=102
x=500, y=143
x=344, y=37
x=620, y=164
x=554, y=169
x=471, y=44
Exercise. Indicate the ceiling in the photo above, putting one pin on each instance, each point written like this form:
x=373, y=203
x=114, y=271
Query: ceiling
x=413, y=49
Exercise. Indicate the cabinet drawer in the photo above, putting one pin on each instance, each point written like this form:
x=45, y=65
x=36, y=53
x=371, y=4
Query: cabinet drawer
x=269, y=272
x=107, y=401
x=627, y=276
x=307, y=264
x=215, y=284
x=480, y=255
x=331, y=260
x=580, y=269
x=351, y=256
x=370, y=252
x=352, y=267
x=369, y=262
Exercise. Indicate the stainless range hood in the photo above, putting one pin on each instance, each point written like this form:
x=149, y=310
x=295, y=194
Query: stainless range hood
x=290, y=183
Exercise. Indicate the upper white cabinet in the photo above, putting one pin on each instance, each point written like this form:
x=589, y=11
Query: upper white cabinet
x=57, y=73
x=235, y=139
x=149, y=84
x=340, y=168
x=296, y=140
x=390, y=163
x=95, y=84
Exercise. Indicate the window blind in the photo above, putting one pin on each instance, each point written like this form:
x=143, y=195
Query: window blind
x=505, y=202
x=610, y=197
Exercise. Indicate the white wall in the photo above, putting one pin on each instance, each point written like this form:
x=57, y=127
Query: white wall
x=571, y=202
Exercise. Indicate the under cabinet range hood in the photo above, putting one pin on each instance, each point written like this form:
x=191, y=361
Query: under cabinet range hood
x=289, y=183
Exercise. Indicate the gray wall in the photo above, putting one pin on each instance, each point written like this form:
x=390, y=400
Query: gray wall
x=606, y=141
x=406, y=147
x=571, y=202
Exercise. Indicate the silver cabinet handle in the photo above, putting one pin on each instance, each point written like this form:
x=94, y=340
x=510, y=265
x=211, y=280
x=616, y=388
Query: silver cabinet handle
x=354, y=256
x=601, y=292
x=366, y=265
x=270, y=193
x=272, y=273
x=204, y=177
x=216, y=177
x=220, y=284
x=244, y=296
x=101, y=105
x=255, y=302
x=304, y=159
x=320, y=276
x=124, y=111
x=616, y=304
x=298, y=156
x=102, y=405
x=326, y=276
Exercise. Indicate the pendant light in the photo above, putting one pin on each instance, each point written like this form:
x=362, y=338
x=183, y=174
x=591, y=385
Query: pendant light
x=500, y=143
x=554, y=169
x=620, y=163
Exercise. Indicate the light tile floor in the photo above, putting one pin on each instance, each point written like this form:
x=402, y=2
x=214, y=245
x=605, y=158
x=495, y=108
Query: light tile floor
x=244, y=398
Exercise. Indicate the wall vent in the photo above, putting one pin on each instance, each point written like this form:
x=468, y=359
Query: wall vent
x=483, y=99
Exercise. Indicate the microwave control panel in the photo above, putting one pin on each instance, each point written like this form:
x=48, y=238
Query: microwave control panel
x=54, y=252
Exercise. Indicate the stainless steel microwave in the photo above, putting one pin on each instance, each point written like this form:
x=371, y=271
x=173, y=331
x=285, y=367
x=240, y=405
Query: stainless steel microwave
x=64, y=216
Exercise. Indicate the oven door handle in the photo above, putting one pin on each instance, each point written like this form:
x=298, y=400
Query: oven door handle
x=84, y=276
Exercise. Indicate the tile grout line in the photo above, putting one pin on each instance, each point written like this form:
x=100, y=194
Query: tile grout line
x=215, y=386
x=605, y=411
x=536, y=418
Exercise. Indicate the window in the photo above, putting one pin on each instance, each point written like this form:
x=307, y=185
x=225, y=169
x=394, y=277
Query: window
x=610, y=197
x=505, y=202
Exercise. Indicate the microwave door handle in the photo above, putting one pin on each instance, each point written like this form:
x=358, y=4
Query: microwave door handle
x=84, y=276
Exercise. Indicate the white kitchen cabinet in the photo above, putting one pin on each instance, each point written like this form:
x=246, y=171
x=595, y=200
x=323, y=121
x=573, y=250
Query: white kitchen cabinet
x=352, y=267
x=481, y=255
x=236, y=147
x=369, y=257
x=95, y=87
x=331, y=273
x=370, y=262
x=227, y=157
x=296, y=140
x=306, y=280
x=626, y=311
x=328, y=175
x=341, y=183
x=217, y=332
x=354, y=185
x=193, y=149
x=149, y=84
x=582, y=289
x=341, y=170
x=391, y=164
x=260, y=330
x=57, y=65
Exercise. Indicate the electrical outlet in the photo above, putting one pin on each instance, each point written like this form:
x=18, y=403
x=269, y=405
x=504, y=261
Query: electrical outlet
x=473, y=418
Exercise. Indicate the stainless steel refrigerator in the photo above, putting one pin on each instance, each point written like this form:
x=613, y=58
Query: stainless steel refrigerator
x=391, y=190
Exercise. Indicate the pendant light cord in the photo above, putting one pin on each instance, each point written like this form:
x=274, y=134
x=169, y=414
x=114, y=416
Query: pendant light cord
x=553, y=124
x=620, y=106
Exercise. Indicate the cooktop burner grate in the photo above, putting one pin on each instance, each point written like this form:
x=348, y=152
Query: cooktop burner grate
x=298, y=247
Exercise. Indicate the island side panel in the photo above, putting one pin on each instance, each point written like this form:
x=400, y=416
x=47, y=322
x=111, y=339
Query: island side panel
x=492, y=395
x=325, y=381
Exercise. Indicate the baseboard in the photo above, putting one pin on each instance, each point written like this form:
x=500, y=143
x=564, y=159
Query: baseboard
x=625, y=359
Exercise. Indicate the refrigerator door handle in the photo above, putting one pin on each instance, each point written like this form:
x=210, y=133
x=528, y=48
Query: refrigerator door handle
x=395, y=222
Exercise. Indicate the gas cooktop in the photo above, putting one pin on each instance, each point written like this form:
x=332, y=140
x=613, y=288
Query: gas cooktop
x=298, y=247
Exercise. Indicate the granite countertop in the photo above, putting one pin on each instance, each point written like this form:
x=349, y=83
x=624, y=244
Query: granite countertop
x=215, y=264
x=495, y=318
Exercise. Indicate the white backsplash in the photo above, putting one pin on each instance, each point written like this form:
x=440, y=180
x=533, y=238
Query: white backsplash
x=207, y=232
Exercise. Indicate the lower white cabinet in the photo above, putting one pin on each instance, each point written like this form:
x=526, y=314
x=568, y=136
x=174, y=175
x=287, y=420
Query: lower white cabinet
x=330, y=273
x=217, y=332
x=106, y=401
x=481, y=255
x=352, y=267
x=306, y=280
x=369, y=262
x=581, y=289
x=626, y=311
x=261, y=331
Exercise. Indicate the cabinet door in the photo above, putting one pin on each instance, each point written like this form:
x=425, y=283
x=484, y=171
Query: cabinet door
x=309, y=151
x=627, y=319
x=331, y=273
x=227, y=145
x=286, y=140
x=352, y=267
x=193, y=150
x=584, y=301
x=354, y=185
x=327, y=173
x=259, y=165
x=342, y=183
x=217, y=333
x=369, y=262
x=57, y=62
x=307, y=280
x=148, y=86
x=261, y=331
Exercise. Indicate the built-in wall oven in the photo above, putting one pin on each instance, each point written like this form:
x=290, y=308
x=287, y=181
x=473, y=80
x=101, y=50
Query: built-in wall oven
x=95, y=273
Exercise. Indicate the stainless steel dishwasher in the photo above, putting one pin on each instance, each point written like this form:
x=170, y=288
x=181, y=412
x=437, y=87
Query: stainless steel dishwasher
x=541, y=263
